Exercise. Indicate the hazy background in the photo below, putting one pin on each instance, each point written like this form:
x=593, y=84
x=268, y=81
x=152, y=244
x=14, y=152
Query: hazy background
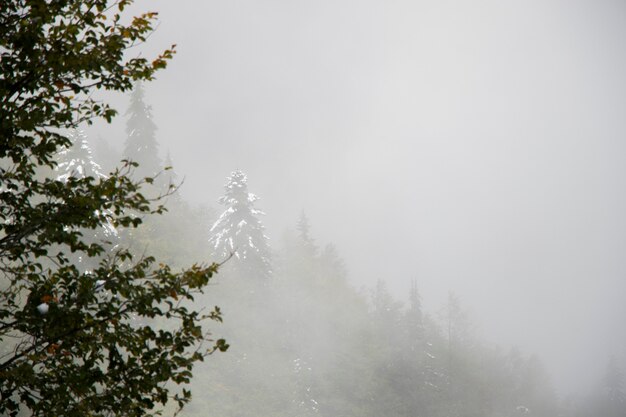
x=474, y=146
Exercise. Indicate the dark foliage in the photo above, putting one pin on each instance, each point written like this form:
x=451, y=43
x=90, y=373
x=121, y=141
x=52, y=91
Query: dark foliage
x=76, y=342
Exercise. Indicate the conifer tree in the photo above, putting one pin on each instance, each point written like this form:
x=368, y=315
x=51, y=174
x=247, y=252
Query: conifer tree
x=107, y=156
x=456, y=324
x=386, y=312
x=414, y=320
x=614, y=389
x=332, y=267
x=76, y=161
x=306, y=242
x=415, y=306
x=141, y=145
x=239, y=232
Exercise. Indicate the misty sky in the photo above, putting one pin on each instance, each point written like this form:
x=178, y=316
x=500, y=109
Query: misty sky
x=477, y=146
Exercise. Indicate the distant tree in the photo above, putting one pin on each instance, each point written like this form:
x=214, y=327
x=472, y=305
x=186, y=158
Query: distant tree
x=615, y=399
x=460, y=391
x=302, y=263
x=76, y=162
x=239, y=231
x=175, y=236
x=172, y=176
x=535, y=392
x=384, y=305
x=141, y=145
x=386, y=318
x=107, y=156
x=457, y=326
x=305, y=241
x=69, y=344
x=332, y=267
x=414, y=314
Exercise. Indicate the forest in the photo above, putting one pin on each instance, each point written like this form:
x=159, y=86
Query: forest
x=303, y=340
x=124, y=294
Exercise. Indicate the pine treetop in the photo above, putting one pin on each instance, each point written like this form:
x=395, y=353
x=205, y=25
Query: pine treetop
x=141, y=145
x=306, y=241
x=77, y=160
x=238, y=230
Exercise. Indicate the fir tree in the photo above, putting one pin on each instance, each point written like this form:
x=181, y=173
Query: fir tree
x=414, y=318
x=141, y=145
x=306, y=242
x=415, y=305
x=107, y=156
x=239, y=232
x=614, y=389
x=331, y=264
x=76, y=161
x=456, y=324
x=386, y=311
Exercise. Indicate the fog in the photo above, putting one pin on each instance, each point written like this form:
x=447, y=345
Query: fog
x=474, y=146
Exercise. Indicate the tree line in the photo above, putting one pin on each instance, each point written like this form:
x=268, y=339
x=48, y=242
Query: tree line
x=305, y=342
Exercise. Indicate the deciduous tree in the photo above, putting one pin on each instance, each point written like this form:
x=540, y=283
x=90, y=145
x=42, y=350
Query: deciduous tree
x=68, y=343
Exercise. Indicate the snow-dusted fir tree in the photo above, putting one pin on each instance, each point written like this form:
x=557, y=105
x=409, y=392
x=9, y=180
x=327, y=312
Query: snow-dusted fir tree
x=141, y=145
x=239, y=231
x=77, y=161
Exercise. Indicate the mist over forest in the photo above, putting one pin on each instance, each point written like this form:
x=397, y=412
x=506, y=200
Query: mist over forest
x=420, y=206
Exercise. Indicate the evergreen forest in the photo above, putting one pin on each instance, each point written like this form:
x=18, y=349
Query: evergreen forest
x=304, y=341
